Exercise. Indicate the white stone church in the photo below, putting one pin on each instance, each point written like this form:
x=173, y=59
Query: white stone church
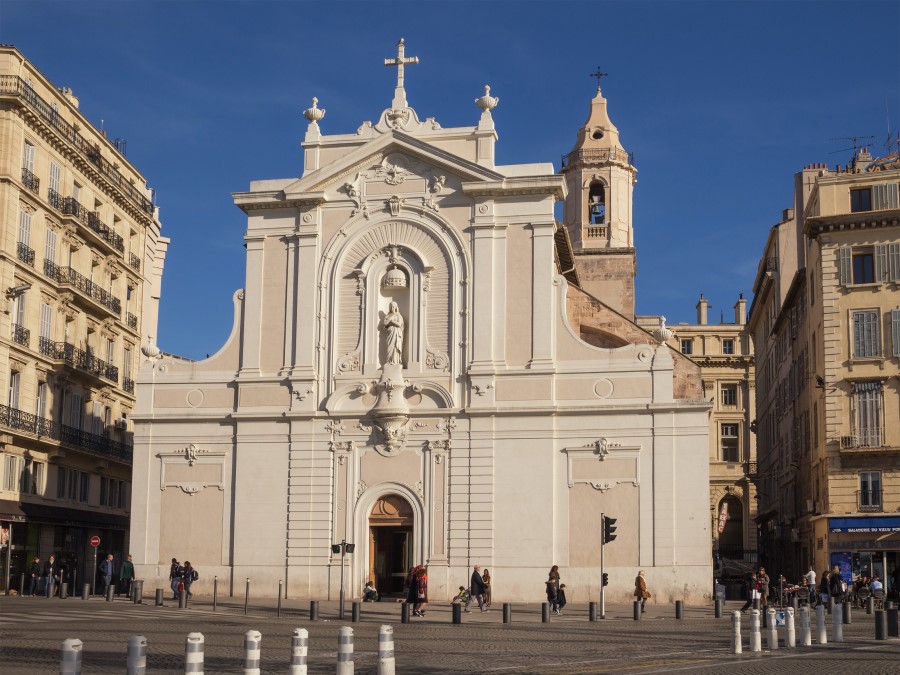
x=425, y=363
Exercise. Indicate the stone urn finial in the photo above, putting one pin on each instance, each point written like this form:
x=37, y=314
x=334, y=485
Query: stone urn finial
x=315, y=113
x=487, y=102
x=662, y=333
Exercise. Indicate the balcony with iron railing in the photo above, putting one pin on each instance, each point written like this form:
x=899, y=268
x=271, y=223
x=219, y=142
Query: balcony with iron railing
x=869, y=501
x=66, y=276
x=594, y=155
x=128, y=384
x=135, y=262
x=14, y=86
x=131, y=320
x=71, y=207
x=30, y=181
x=21, y=335
x=53, y=197
x=78, y=358
x=42, y=428
x=25, y=253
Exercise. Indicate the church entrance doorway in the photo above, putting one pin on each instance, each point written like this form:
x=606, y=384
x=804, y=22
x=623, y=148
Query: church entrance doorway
x=390, y=544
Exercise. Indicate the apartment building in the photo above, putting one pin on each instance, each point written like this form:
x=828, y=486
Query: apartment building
x=826, y=324
x=81, y=260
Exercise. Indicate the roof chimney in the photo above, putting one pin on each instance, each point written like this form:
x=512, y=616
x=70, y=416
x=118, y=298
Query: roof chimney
x=702, y=308
x=740, y=311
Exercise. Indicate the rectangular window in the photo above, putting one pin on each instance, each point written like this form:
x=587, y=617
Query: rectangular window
x=10, y=473
x=33, y=478
x=40, y=406
x=97, y=419
x=13, y=398
x=85, y=492
x=73, y=484
x=126, y=364
x=61, y=474
x=728, y=346
x=861, y=200
x=729, y=394
x=893, y=256
x=729, y=443
x=50, y=246
x=687, y=346
x=76, y=191
x=110, y=351
x=113, y=493
x=867, y=399
x=76, y=412
x=46, y=320
x=863, y=268
x=54, y=177
x=866, y=338
x=104, y=490
x=28, y=157
x=895, y=332
x=18, y=310
x=869, y=489
x=24, y=228
x=884, y=196
x=121, y=503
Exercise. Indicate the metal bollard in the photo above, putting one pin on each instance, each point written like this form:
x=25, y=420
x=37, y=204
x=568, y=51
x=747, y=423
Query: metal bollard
x=679, y=609
x=870, y=605
x=137, y=591
x=736, y=645
x=70, y=659
x=718, y=606
x=313, y=610
x=354, y=612
x=456, y=611
x=299, y=650
x=159, y=597
x=137, y=655
x=22, y=585
x=592, y=611
x=846, y=613
x=64, y=590
x=252, y=652
x=772, y=639
x=507, y=612
x=110, y=592
x=545, y=612
x=805, y=632
x=790, y=635
x=182, y=599
x=755, y=635
x=404, y=613
x=85, y=591
x=821, y=634
x=280, y=593
x=215, y=592
x=837, y=623
x=247, y=596
x=193, y=653
x=880, y=624
x=386, y=663
x=830, y=604
x=637, y=610
x=795, y=603
x=893, y=622
x=756, y=603
x=345, y=651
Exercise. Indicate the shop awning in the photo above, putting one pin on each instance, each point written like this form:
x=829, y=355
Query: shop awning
x=57, y=515
x=865, y=525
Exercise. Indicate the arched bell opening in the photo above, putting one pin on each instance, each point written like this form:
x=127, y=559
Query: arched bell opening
x=597, y=203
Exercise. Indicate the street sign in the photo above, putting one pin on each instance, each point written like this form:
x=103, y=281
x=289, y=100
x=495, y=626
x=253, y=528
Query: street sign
x=95, y=541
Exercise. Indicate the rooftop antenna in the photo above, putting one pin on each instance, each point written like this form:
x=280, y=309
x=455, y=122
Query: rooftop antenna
x=856, y=143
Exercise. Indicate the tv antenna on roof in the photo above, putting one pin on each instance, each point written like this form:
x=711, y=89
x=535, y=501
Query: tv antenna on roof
x=856, y=143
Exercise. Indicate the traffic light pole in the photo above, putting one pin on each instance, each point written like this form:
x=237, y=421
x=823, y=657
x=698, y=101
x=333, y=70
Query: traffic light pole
x=602, y=587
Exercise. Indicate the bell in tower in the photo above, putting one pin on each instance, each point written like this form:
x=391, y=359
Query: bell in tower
x=600, y=178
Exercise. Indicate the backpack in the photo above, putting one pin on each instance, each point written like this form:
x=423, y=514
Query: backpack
x=195, y=576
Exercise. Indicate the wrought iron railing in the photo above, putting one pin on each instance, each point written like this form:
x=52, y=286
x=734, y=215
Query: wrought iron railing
x=25, y=253
x=134, y=261
x=16, y=86
x=128, y=385
x=21, y=421
x=131, y=320
x=20, y=334
x=78, y=358
x=53, y=197
x=869, y=500
x=68, y=276
x=30, y=181
x=92, y=221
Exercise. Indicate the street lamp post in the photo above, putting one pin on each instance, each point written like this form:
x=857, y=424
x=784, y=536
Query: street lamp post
x=343, y=548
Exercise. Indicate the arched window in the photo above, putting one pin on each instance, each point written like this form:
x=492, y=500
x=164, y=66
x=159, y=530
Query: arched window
x=597, y=204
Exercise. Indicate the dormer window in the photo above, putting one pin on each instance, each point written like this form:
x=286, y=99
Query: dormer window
x=597, y=204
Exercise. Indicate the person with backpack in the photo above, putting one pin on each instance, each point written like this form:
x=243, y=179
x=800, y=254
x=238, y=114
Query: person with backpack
x=188, y=576
x=175, y=577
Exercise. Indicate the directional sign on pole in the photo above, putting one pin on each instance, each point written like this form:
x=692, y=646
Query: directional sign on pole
x=95, y=541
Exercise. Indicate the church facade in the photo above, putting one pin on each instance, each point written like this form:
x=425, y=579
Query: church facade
x=417, y=368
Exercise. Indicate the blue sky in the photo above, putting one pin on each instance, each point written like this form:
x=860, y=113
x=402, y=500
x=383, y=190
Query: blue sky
x=721, y=102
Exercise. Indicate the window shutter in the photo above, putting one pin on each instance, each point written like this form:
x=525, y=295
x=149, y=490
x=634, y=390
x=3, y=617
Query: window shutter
x=873, y=346
x=882, y=267
x=895, y=331
x=25, y=227
x=845, y=265
x=893, y=253
x=46, y=320
x=54, y=177
x=884, y=197
x=28, y=157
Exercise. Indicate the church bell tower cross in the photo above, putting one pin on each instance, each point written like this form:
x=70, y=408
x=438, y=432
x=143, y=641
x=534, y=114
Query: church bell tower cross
x=401, y=60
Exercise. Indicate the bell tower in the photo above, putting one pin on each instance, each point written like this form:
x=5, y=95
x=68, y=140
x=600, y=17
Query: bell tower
x=598, y=209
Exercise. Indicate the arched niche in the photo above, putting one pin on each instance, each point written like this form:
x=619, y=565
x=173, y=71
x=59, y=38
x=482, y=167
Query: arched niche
x=731, y=539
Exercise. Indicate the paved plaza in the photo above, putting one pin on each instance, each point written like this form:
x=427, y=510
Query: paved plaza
x=32, y=629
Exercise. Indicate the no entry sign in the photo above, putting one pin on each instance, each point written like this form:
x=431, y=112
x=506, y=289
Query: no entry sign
x=95, y=541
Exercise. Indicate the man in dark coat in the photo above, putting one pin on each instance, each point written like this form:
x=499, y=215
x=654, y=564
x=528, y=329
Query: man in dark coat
x=836, y=584
x=476, y=589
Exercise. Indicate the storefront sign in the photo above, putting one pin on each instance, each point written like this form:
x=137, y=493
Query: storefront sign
x=873, y=525
x=888, y=544
x=723, y=517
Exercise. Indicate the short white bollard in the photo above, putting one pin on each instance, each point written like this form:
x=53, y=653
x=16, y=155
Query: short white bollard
x=252, y=652
x=345, y=651
x=821, y=635
x=736, y=632
x=386, y=650
x=136, y=663
x=70, y=659
x=772, y=640
x=193, y=653
x=790, y=635
x=837, y=623
x=299, y=650
x=805, y=632
x=755, y=635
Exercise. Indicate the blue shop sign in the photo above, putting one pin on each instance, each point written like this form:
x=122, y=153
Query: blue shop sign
x=873, y=525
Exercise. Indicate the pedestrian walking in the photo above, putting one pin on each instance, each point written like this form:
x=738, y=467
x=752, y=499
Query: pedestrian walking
x=175, y=577
x=126, y=576
x=188, y=576
x=825, y=587
x=486, y=577
x=51, y=572
x=640, y=590
x=553, y=589
x=561, y=600
x=107, y=569
x=476, y=589
x=836, y=584
x=420, y=591
x=762, y=584
x=34, y=576
x=811, y=576
x=752, y=591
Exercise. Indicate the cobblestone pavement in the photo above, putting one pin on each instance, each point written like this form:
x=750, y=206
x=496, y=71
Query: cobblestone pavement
x=31, y=631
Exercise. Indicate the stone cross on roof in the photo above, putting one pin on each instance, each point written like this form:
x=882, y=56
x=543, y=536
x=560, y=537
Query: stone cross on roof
x=400, y=61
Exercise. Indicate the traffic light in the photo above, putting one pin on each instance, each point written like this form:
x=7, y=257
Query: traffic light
x=605, y=579
x=609, y=529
